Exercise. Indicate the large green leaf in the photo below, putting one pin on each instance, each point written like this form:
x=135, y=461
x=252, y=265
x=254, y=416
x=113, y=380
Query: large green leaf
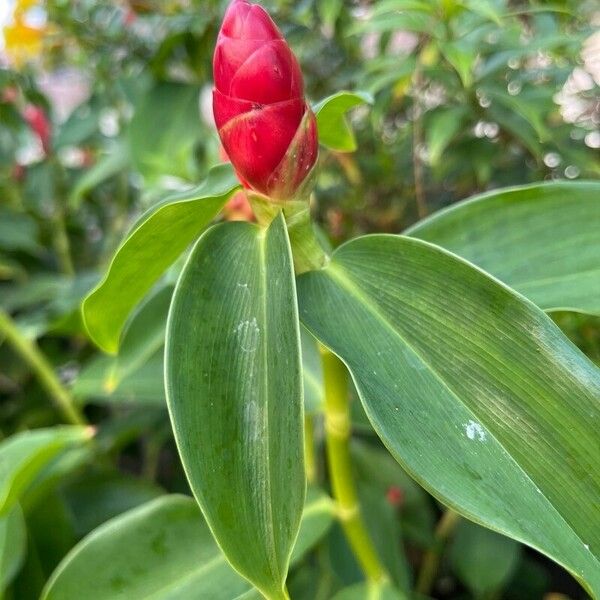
x=234, y=391
x=334, y=130
x=540, y=239
x=165, y=550
x=160, y=236
x=24, y=455
x=13, y=541
x=471, y=387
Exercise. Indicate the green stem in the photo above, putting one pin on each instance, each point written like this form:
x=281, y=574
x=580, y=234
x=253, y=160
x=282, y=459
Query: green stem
x=60, y=237
x=61, y=243
x=337, y=433
x=31, y=354
x=431, y=560
x=307, y=251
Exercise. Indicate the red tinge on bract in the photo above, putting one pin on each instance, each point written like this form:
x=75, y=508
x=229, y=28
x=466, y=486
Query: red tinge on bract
x=264, y=122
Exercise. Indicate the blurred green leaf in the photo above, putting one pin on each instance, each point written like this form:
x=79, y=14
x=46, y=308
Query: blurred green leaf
x=165, y=127
x=370, y=591
x=462, y=57
x=312, y=377
x=503, y=431
x=483, y=560
x=234, y=391
x=13, y=543
x=540, y=239
x=158, y=238
x=107, y=166
x=18, y=232
x=96, y=497
x=24, y=455
x=442, y=126
x=335, y=132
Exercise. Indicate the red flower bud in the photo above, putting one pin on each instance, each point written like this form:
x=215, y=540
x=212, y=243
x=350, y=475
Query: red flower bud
x=266, y=127
x=38, y=122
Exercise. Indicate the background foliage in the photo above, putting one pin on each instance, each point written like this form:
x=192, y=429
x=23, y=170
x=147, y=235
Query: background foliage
x=467, y=96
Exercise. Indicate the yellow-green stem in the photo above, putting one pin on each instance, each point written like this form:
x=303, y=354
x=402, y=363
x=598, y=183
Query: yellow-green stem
x=31, y=354
x=337, y=433
x=431, y=560
x=61, y=243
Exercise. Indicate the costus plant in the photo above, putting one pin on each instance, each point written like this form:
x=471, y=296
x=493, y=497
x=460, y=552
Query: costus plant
x=441, y=335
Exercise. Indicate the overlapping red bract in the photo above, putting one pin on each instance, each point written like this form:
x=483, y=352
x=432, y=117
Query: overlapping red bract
x=265, y=125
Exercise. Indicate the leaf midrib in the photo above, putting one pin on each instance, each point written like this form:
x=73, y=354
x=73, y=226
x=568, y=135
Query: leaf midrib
x=262, y=241
x=339, y=275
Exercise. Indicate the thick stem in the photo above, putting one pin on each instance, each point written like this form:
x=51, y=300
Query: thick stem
x=31, y=354
x=431, y=560
x=306, y=249
x=337, y=433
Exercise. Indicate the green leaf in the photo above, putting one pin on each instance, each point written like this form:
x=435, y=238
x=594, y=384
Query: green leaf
x=13, y=542
x=24, y=455
x=472, y=388
x=541, y=239
x=312, y=377
x=462, y=57
x=143, y=385
x=18, y=232
x=158, y=238
x=526, y=108
x=107, y=166
x=317, y=518
x=164, y=549
x=442, y=126
x=96, y=497
x=164, y=130
x=370, y=591
x=335, y=132
x=234, y=392
x=483, y=560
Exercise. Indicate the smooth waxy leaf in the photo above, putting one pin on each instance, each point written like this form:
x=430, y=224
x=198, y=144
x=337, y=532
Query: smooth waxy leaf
x=334, y=130
x=13, y=541
x=471, y=387
x=234, y=391
x=24, y=455
x=165, y=550
x=483, y=560
x=540, y=239
x=160, y=236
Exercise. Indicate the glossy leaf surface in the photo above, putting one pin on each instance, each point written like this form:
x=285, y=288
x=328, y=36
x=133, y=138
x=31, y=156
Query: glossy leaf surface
x=153, y=244
x=24, y=455
x=234, y=391
x=334, y=130
x=507, y=430
x=164, y=549
x=540, y=239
